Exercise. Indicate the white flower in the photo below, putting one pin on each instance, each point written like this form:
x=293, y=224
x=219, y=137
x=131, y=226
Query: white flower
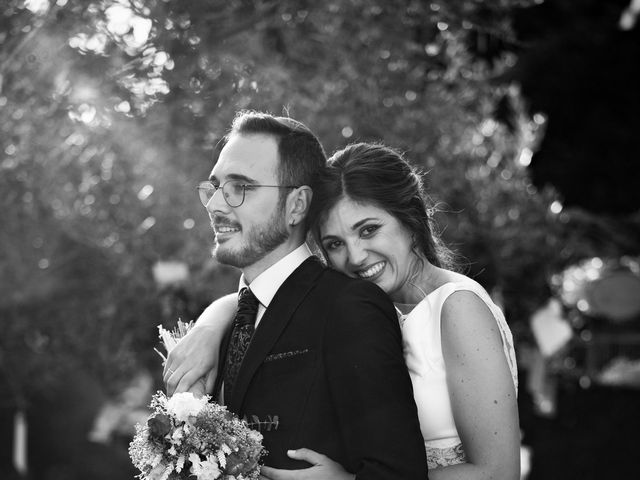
x=222, y=460
x=160, y=472
x=180, y=463
x=156, y=460
x=177, y=436
x=194, y=458
x=204, y=469
x=184, y=405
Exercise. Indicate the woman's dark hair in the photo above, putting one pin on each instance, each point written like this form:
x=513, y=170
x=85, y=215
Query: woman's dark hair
x=376, y=174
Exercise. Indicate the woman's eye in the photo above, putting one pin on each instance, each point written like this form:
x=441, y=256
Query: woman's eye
x=369, y=230
x=332, y=245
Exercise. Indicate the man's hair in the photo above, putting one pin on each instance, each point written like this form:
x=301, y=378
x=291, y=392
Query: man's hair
x=301, y=155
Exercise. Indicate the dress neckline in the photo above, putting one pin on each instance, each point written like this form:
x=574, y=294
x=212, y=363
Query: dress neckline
x=414, y=305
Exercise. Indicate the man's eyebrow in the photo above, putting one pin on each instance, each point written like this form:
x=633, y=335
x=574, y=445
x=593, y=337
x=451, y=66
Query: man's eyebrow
x=234, y=176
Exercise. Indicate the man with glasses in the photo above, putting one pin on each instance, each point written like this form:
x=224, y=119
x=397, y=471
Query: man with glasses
x=294, y=364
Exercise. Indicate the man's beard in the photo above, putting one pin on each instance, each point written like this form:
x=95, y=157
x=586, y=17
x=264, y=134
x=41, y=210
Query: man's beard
x=262, y=239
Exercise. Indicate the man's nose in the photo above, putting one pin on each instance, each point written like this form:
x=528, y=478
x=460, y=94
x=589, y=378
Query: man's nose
x=217, y=203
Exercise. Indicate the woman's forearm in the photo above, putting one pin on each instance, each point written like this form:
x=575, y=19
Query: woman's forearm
x=218, y=314
x=192, y=364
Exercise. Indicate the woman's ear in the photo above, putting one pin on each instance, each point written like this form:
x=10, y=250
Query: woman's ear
x=298, y=204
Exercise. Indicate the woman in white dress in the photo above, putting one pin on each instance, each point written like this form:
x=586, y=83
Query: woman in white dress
x=370, y=218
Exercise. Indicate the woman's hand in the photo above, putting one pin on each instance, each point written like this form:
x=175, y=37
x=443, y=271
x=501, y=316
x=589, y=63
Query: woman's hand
x=192, y=364
x=323, y=468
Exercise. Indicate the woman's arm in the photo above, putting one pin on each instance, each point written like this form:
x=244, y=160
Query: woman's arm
x=322, y=468
x=483, y=397
x=191, y=365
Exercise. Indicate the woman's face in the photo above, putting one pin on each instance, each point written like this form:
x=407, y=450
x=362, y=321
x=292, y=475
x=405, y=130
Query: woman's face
x=365, y=241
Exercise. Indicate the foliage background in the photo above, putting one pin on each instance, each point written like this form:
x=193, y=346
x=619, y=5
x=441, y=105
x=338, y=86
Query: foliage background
x=519, y=112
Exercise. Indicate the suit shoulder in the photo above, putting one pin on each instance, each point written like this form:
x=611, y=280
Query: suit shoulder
x=350, y=298
x=343, y=284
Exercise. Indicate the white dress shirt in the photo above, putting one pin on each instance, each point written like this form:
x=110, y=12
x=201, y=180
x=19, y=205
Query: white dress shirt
x=265, y=285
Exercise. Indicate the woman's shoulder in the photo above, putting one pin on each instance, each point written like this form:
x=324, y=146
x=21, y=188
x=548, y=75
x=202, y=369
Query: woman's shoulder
x=450, y=283
x=461, y=297
x=459, y=281
x=462, y=294
x=464, y=301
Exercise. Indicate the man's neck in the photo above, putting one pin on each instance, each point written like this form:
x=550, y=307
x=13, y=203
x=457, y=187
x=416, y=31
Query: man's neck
x=252, y=271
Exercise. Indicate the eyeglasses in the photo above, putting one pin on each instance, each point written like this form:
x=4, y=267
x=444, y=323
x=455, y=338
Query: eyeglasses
x=233, y=191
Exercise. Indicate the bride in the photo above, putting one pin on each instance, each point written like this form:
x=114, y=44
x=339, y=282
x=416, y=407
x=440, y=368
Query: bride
x=370, y=219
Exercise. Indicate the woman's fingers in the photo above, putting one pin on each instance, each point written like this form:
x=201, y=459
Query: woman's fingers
x=278, y=474
x=191, y=359
x=172, y=376
x=183, y=380
x=174, y=369
x=210, y=380
x=190, y=380
x=322, y=468
x=308, y=455
x=198, y=388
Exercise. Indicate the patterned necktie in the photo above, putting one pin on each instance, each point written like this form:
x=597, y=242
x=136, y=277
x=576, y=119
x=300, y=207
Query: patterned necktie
x=243, y=328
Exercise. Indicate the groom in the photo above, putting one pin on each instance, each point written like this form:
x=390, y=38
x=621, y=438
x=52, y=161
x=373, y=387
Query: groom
x=314, y=358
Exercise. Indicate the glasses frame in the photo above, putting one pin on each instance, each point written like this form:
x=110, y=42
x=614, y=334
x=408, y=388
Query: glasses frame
x=208, y=185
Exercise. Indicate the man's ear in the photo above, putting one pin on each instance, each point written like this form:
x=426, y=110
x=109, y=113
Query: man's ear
x=298, y=205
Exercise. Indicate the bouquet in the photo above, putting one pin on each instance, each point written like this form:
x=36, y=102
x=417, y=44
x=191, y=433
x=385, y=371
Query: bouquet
x=188, y=437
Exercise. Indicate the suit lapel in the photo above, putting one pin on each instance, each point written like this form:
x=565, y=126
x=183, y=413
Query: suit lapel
x=274, y=321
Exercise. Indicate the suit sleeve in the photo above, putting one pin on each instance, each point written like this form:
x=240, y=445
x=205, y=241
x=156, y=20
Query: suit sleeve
x=371, y=387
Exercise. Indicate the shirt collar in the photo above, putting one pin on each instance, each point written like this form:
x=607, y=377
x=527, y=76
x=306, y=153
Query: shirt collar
x=265, y=285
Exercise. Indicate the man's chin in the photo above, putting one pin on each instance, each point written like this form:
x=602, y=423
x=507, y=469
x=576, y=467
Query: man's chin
x=227, y=256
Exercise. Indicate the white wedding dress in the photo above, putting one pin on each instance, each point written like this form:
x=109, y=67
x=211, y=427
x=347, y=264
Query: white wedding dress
x=423, y=355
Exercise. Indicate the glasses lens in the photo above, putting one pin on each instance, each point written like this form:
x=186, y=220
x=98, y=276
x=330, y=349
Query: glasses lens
x=233, y=192
x=206, y=191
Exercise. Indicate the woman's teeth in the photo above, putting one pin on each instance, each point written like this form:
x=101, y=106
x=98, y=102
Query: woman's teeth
x=372, y=270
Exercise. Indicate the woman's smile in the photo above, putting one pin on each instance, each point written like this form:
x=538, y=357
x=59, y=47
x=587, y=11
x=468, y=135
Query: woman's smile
x=372, y=271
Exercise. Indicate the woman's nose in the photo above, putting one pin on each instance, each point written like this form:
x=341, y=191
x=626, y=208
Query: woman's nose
x=356, y=254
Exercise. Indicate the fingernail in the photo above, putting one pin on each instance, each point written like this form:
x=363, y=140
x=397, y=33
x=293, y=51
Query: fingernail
x=291, y=452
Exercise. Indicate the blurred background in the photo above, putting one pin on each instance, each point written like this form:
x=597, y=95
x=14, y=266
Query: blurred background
x=523, y=113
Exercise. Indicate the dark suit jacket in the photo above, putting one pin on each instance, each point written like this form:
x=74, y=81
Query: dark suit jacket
x=325, y=371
